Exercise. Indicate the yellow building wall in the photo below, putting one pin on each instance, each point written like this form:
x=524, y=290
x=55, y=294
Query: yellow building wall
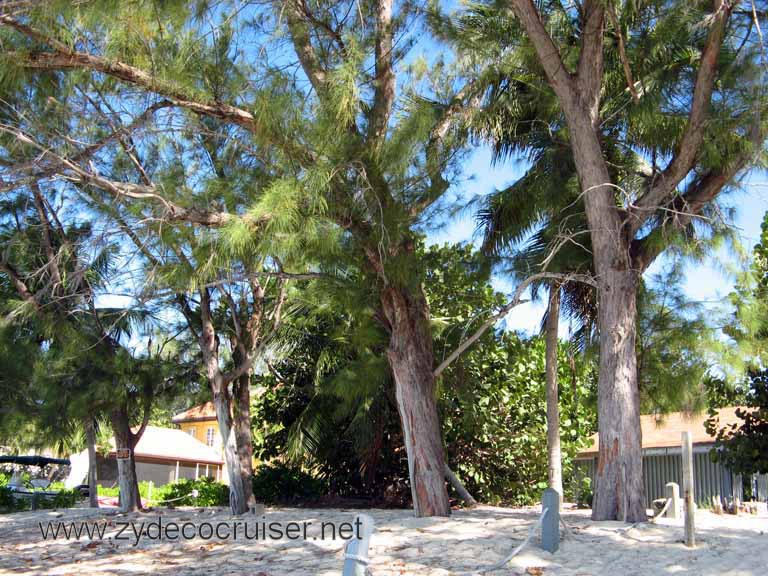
x=199, y=430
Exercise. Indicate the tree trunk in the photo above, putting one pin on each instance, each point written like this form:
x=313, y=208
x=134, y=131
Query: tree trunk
x=90, y=438
x=619, y=489
x=238, y=498
x=130, y=499
x=242, y=425
x=554, y=463
x=410, y=357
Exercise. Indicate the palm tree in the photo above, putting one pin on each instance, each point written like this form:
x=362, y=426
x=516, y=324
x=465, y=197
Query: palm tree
x=522, y=114
x=636, y=81
x=536, y=224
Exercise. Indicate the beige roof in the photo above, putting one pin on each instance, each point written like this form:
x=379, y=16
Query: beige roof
x=663, y=431
x=172, y=444
x=196, y=413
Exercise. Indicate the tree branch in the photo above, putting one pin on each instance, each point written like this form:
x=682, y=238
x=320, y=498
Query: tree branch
x=462, y=105
x=302, y=43
x=515, y=301
x=549, y=56
x=148, y=394
x=33, y=166
x=63, y=57
x=45, y=224
x=590, y=69
x=384, y=83
x=21, y=287
x=623, y=54
x=173, y=211
x=680, y=213
x=690, y=143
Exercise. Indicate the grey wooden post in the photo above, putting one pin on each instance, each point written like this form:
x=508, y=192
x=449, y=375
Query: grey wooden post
x=690, y=538
x=356, y=550
x=550, y=526
x=672, y=492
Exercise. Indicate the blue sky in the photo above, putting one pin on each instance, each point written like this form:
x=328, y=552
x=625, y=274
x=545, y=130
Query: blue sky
x=708, y=283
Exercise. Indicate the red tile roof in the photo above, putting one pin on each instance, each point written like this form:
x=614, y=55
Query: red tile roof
x=664, y=431
x=196, y=413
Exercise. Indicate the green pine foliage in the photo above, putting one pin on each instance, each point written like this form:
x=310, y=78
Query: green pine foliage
x=678, y=346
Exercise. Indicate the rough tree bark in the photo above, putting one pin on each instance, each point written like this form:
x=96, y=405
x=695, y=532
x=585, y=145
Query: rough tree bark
x=238, y=496
x=222, y=401
x=410, y=357
x=130, y=499
x=619, y=257
x=242, y=424
x=619, y=490
x=618, y=404
x=554, y=460
x=90, y=438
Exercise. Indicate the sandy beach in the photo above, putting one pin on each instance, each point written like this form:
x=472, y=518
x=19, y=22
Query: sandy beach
x=401, y=545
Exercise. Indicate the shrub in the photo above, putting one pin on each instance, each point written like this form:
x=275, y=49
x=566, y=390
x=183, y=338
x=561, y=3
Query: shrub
x=110, y=491
x=8, y=503
x=583, y=492
x=114, y=491
x=279, y=483
x=209, y=493
x=63, y=499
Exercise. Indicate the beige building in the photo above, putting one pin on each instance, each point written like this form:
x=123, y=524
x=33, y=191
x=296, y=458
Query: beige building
x=162, y=455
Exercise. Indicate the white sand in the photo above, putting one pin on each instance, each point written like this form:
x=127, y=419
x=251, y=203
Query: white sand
x=402, y=545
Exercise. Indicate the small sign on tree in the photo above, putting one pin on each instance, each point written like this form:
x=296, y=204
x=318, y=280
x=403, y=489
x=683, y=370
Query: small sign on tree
x=123, y=453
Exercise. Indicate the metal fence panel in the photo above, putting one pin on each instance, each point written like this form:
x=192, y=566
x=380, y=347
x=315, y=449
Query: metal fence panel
x=665, y=465
x=762, y=487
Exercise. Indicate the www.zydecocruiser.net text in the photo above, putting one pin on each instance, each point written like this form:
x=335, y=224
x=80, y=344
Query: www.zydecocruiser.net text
x=159, y=529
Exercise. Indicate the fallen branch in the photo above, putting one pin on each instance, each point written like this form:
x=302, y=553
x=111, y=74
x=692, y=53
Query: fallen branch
x=459, y=487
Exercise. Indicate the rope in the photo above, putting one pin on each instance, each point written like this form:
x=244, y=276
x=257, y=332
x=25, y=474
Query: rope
x=358, y=559
x=566, y=530
x=355, y=557
x=663, y=510
x=504, y=561
x=194, y=494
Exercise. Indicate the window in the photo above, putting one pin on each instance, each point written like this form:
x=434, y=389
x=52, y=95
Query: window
x=210, y=436
x=192, y=432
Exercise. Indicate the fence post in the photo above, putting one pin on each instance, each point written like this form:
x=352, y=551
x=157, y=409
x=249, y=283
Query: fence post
x=673, y=494
x=356, y=550
x=690, y=537
x=550, y=526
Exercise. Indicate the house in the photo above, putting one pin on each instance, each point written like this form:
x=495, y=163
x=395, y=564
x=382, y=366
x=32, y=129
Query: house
x=162, y=455
x=200, y=423
x=662, y=458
